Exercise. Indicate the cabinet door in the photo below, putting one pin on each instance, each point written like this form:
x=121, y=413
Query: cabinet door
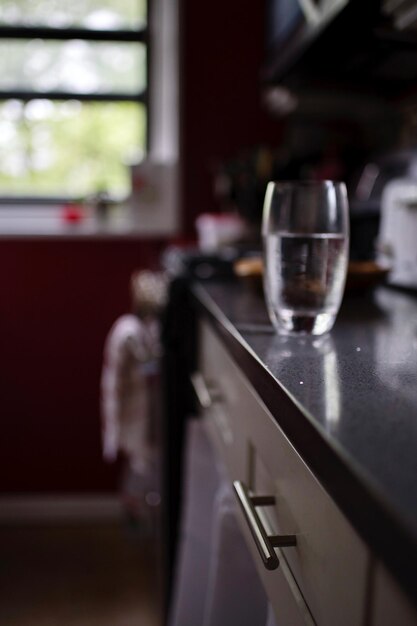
x=390, y=605
x=330, y=563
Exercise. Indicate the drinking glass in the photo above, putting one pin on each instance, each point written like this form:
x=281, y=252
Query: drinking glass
x=305, y=232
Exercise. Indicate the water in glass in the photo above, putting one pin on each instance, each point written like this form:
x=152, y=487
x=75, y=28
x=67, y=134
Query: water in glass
x=305, y=275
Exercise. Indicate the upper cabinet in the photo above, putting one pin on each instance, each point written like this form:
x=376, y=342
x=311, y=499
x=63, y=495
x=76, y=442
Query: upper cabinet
x=370, y=46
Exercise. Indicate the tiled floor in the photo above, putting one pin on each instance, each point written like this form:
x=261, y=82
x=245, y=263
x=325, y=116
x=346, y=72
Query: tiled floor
x=104, y=575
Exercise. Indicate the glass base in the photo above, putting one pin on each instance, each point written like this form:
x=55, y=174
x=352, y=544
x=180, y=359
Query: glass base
x=296, y=323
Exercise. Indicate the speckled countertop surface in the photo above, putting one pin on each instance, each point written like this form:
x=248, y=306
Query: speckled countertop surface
x=355, y=392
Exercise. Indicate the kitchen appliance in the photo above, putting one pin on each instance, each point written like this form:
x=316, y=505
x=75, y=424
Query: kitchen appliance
x=397, y=240
x=366, y=189
x=371, y=44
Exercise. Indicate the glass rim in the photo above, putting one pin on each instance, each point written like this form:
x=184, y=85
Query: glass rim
x=307, y=182
x=278, y=192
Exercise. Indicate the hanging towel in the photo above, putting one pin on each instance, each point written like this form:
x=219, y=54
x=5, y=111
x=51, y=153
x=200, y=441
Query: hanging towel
x=130, y=358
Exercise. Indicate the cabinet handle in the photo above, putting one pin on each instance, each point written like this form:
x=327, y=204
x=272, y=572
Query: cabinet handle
x=204, y=395
x=264, y=542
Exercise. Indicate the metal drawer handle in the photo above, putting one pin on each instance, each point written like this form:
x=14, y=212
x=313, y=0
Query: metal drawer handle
x=265, y=543
x=205, y=396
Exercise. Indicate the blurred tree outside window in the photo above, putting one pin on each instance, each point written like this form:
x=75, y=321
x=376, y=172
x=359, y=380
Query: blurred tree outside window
x=73, y=95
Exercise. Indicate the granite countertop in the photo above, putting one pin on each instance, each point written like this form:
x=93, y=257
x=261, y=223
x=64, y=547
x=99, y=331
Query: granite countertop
x=350, y=401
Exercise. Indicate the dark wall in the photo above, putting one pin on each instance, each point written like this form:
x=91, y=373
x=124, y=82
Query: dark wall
x=221, y=96
x=58, y=301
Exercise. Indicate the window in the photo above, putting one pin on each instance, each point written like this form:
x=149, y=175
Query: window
x=73, y=95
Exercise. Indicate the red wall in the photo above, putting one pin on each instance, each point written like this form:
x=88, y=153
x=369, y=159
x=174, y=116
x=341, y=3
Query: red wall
x=222, y=112
x=59, y=297
x=58, y=301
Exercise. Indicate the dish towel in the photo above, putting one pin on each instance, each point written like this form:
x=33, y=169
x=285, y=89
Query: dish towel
x=131, y=354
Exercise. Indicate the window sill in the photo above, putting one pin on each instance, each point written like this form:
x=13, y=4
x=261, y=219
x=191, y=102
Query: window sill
x=54, y=222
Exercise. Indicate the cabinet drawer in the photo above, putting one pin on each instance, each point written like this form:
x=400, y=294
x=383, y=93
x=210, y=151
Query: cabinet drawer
x=221, y=417
x=330, y=562
x=329, y=566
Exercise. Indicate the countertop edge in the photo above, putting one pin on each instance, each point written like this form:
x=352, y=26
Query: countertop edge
x=378, y=525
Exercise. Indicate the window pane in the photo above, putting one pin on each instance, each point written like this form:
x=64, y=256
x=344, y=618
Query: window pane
x=75, y=66
x=74, y=148
x=95, y=14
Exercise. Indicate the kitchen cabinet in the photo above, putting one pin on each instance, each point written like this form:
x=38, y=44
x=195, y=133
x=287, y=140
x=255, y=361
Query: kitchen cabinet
x=319, y=439
x=323, y=578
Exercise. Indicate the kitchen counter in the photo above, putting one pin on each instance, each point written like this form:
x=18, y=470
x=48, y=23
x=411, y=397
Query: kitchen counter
x=346, y=401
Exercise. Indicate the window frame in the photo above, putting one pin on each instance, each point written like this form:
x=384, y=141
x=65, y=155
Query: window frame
x=133, y=35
